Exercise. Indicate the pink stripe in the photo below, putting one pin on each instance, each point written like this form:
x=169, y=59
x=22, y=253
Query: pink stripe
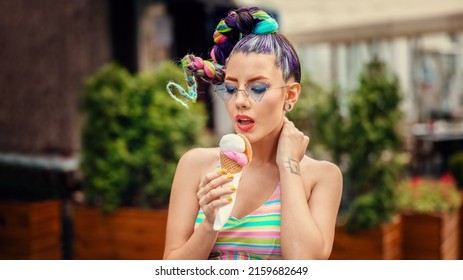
x=243, y=256
x=249, y=234
x=255, y=250
x=265, y=211
x=268, y=228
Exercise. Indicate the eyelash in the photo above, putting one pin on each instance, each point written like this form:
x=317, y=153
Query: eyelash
x=259, y=85
x=257, y=89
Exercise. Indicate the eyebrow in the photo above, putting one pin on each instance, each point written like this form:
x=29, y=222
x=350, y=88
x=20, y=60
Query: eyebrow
x=250, y=80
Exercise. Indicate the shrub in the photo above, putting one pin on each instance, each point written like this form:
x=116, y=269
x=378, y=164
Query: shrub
x=374, y=147
x=317, y=114
x=133, y=136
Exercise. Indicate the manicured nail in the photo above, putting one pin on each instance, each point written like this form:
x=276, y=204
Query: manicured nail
x=233, y=188
x=230, y=198
x=223, y=171
x=230, y=176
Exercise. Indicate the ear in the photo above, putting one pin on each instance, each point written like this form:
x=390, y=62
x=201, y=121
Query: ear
x=293, y=93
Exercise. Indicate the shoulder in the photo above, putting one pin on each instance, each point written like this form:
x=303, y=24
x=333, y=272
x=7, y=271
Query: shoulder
x=194, y=164
x=200, y=157
x=320, y=172
x=321, y=165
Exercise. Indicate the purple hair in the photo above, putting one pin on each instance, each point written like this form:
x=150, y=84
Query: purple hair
x=274, y=43
x=260, y=36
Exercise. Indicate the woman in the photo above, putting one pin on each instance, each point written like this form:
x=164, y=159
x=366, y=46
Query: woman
x=287, y=202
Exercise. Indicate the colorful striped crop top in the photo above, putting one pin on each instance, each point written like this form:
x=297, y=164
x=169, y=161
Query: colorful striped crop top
x=254, y=237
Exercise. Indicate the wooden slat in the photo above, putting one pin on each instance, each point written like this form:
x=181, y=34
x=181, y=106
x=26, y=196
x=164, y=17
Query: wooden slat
x=392, y=241
x=37, y=230
x=372, y=244
x=128, y=233
x=21, y=213
x=430, y=236
x=450, y=236
x=49, y=254
x=105, y=250
x=31, y=246
x=30, y=230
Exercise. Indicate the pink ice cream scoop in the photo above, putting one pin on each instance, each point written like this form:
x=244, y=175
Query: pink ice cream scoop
x=239, y=157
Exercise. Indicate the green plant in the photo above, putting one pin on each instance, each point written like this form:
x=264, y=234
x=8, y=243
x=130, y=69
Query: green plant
x=133, y=136
x=374, y=147
x=456, y=168
x=423, y=195
x=318, y=115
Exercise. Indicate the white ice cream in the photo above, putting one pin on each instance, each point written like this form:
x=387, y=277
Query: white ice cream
x=232, y=142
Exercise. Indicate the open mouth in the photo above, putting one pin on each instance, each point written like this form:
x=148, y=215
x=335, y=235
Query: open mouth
x=244, y=123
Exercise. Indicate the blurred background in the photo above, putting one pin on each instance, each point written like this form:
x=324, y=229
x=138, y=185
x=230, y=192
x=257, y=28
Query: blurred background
x=83, y=117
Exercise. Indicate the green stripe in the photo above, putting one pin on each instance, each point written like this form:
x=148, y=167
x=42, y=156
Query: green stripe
x=261, y=217
x=273, y=222
x=261, y=246
x=270, y=219
x=234, y=240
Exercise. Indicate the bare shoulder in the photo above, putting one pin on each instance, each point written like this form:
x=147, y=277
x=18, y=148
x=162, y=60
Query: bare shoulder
x=322, y=166
x=192, y=166
x=200, y=158
x=321, y=172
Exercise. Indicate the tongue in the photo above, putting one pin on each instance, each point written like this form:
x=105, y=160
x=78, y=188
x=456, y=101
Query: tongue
x=246, y=122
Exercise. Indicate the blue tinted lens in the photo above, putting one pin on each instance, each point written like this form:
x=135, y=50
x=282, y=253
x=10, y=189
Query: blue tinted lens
x=257, y=88
x=230, y=89
x=224, y=91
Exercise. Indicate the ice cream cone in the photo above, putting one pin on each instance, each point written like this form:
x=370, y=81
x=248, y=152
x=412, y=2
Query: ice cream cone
x=229, y=165
x=241, y=153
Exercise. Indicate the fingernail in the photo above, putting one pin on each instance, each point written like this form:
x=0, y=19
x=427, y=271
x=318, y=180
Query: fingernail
x=230, y=198
x=233, y=188
x=223, y=171
x=229, y=176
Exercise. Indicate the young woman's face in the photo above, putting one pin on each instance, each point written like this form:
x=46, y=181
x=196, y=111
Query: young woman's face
x=258, y=73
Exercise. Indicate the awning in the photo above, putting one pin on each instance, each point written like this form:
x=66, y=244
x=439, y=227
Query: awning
x=314, y=21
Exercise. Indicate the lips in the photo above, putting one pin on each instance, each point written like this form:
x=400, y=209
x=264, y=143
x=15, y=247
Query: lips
x=244, y=123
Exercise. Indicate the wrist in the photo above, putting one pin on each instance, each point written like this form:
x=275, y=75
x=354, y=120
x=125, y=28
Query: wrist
x=208, y=227
x=289, y=165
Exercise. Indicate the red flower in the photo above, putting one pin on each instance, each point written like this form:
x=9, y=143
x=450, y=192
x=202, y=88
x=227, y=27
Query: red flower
x=447, y=178
x=416, y=181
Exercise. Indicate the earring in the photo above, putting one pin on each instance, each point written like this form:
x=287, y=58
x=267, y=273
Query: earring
x=288, y=107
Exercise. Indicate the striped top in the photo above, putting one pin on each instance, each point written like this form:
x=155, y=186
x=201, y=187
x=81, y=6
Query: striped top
x=254, y=237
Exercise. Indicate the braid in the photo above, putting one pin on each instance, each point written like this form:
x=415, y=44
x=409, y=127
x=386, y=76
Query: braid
x=207, y=70
x=225, y=36
x=194, y=66
x=241, y=22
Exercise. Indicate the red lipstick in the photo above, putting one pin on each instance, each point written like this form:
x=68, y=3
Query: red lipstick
x=244, y=123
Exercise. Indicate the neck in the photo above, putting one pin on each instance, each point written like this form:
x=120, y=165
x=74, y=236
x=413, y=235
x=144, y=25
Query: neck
x=264, y=151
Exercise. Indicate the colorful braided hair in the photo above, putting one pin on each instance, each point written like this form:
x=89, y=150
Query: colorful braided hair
x=194, y=66
x=245, y=30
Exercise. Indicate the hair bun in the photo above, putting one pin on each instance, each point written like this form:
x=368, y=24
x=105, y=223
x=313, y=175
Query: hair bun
x=245, y=22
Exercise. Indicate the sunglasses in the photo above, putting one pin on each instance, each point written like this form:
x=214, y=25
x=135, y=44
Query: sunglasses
x=255, y=90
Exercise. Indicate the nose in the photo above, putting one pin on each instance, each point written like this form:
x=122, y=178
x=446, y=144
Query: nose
x=241, y=100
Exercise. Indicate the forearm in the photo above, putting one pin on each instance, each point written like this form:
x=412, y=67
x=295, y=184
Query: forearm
x=300, y=236
x=198, y=246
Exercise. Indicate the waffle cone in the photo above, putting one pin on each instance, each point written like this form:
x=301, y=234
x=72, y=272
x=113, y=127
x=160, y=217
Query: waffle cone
x=230, y=165
x=247, y=149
